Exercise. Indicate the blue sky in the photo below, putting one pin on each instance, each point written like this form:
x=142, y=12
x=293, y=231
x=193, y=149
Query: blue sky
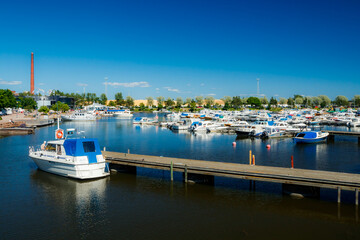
x=182, y=48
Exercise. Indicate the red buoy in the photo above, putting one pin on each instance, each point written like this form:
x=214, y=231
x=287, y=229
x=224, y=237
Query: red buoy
x=268, y=146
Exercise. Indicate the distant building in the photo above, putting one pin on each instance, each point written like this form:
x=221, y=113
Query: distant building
x=48, y=101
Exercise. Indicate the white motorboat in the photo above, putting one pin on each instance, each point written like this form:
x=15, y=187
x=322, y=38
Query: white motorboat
x=311, y=137
x=123, y=113
x=144, y=120
x=272, y=132
x=79, y=116
x=76, y=157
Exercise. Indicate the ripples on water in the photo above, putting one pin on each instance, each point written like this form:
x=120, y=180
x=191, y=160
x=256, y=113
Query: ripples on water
x=38, y=205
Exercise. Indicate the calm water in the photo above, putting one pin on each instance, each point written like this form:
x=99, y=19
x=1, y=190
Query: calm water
x=38, y=205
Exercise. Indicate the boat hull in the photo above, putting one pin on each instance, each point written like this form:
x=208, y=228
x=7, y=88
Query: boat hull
x=311, y=140
x=78, y=171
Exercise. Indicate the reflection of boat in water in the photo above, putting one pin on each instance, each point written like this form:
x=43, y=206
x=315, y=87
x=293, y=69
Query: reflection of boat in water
x=311, y=137
x=79, y=158
x=79, y=194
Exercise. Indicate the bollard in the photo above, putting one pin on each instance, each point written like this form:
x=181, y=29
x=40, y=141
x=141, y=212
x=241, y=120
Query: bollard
x=253, y=159
x=171, y=171
x=339, y=195
x=186, y=174
x=292, y=161
x=104, y=149
x=128, y=150
x=250, y=157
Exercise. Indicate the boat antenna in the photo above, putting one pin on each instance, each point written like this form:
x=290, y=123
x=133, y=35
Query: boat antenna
x=58, y=122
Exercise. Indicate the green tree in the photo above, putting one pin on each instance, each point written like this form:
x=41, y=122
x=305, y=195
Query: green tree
x=199, y=100
x=209, y=101
x=356, y=100
x=325, y=101
x=103, y=99
x=316, y=101
x=119, y=99
x=28, y=103
x=227, y=100
x=129, y=101
x=283, y=101
x=142, y=107
x=112, y=104
x=160, y=101
x=7, y=99
x=169, y=102
x=341, y=101
x=254, y=101
x=236, y=102
x=299, y=100
x=192, y=106
x=150, y=101
x=44, y=109
x=188, y=101
x=59, y=106
x=264, y=100
x=290, y=101
x=179, y=102
x=273, y=101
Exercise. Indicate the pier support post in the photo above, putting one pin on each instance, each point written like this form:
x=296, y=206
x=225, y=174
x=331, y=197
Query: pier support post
x=357, y=197
x=172, y=171
x=185, y=174
x=339, y=195
x=331, y=138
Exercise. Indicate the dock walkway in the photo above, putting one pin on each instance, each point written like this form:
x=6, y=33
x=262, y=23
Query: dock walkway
x=303, y=177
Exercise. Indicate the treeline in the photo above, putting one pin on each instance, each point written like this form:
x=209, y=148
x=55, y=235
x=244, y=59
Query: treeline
x=8, y=100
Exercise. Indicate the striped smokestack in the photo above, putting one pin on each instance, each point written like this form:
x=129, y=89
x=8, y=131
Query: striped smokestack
x=32, y=74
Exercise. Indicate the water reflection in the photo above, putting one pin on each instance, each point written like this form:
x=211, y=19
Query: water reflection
x=85, y=197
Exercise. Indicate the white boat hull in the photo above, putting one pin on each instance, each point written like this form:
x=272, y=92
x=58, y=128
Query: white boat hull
x=78, y=171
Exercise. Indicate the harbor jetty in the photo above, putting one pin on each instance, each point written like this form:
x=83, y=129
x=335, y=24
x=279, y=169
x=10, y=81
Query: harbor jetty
x=207, y=170
x=15, y=128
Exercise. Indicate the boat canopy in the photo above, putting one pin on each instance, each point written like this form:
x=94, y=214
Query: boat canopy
x=83, y=147
x=309, y=135
x=137, y=119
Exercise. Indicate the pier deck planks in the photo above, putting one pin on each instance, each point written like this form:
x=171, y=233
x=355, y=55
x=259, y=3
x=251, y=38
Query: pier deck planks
x=315, y=178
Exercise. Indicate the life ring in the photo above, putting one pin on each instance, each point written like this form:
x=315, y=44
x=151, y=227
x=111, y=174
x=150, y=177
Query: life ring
x=59, y=134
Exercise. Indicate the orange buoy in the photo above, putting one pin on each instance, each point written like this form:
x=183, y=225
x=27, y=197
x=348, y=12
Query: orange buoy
x=268, y=146
x=59, y=134
x=234, y=144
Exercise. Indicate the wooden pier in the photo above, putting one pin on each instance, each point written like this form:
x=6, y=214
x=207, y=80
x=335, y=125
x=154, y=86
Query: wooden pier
x=210, y=169
x=332, y=134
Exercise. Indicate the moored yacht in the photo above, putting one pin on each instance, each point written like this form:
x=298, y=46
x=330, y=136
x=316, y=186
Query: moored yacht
x=76, y=157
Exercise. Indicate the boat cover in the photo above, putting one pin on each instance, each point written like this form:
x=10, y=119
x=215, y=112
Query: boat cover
x=310, y=135
x=83, y=147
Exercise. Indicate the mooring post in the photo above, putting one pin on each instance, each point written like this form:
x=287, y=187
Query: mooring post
x=250, y=157
x=339, y=195
x=253, y=159
x=128, y=150
x=186, y=174
x=292, y=161
x=357, y=197
x=171, y=171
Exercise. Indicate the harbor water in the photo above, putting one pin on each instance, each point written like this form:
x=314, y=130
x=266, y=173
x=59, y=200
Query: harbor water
x=147, y=205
